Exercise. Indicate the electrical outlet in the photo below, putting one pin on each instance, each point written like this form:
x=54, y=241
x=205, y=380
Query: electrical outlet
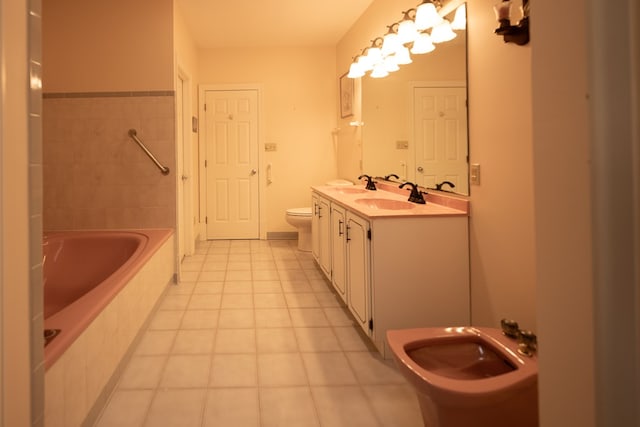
x=475, y=174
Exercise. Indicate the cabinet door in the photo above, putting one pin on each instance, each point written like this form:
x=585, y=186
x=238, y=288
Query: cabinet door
x=315, y=228
x=338, y=241
x=358, y=283
x=321, y=233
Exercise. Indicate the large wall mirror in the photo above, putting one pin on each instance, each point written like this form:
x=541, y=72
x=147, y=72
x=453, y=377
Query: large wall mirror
x=415, y=120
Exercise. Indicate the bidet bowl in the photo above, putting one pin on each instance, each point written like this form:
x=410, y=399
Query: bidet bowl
x=467, y=376
x=386, y=204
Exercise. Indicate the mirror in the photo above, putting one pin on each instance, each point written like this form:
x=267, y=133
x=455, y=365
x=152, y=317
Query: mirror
x=415, y=120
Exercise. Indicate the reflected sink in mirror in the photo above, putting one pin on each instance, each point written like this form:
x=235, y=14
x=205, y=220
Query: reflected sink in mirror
x=348, y=190
x=385, y=204
x=461, y=360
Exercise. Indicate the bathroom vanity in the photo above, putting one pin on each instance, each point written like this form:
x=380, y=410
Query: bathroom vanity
x=395, y=264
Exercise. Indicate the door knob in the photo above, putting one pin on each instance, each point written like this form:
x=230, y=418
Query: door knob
x=253, y=172
x=420, y=169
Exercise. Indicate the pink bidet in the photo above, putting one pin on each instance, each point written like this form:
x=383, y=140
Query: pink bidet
x=467, y=376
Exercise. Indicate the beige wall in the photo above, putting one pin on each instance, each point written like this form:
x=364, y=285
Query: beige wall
x=503, y=277
x=118, y=45
x=187, y=59
x=14, y=228
x=299, y=91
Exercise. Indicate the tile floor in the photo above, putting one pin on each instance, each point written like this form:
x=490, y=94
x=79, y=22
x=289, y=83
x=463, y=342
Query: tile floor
x=254, y=336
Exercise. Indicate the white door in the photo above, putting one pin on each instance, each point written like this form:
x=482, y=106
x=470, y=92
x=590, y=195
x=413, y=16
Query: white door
x=231, y=138
x=440, y=135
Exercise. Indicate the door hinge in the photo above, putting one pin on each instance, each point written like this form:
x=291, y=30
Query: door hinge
x=369, y=234
x=371, y=324
x=205, y=163
x=206, y=220
x=205, y=107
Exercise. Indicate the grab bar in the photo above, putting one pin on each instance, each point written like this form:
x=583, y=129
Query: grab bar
x=134, y=135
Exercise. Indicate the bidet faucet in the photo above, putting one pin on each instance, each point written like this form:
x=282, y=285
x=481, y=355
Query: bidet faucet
x=416, y=194
x=370, y=184
x=527, y=343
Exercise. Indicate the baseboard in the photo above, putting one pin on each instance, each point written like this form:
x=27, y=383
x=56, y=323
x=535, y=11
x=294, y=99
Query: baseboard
x=282, y=235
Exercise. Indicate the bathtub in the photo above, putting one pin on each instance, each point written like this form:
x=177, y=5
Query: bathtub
x=99, y=289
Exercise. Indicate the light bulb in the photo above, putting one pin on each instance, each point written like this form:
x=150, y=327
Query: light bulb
x=403, y=57
x=427, y=16
x=422, y=44
x=355, y=71
x=379, y=71
x=407, y=31
x=442, y=32
x=460, y=18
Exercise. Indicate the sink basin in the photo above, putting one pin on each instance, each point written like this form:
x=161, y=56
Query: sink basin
x=385, y=204
x=349, y=190
x=467, y=376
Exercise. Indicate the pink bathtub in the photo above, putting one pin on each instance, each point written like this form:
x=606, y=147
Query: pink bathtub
x=83, y=271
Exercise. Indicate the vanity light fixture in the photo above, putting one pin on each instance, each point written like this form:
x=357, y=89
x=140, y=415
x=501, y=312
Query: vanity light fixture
x=409, y=36
x=518, y=34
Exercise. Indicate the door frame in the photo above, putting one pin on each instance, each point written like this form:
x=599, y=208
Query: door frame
x=411, y=158
x=262, y=176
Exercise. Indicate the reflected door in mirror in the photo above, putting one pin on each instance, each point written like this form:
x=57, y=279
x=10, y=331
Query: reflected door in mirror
x=440, y=135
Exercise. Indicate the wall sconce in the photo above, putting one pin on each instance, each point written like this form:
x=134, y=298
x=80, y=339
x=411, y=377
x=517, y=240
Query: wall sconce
x=518, y=34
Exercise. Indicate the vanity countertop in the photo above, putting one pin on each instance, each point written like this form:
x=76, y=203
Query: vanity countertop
x=389, y=203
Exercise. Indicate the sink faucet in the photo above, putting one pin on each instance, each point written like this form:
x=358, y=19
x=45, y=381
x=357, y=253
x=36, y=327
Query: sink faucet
x=370, y=184
x=416, y=194
x=386, y=178
x=449, y=183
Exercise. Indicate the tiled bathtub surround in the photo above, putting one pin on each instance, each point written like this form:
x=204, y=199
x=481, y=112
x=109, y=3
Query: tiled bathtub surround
x=254, y=336
x=95, y=176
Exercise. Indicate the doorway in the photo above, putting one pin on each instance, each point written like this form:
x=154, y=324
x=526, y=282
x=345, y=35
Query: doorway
x=186, y=241
x=231, y=163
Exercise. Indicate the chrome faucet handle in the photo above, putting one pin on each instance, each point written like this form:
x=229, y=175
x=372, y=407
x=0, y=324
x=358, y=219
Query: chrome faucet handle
x=527, y=343
x=510, y=328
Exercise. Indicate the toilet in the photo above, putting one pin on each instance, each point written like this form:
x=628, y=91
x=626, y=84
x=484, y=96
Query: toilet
x=468, y=376
x=301, y=218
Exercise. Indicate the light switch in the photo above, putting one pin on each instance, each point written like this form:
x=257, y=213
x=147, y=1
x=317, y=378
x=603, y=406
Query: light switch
x=475, y=174
x=402, y=145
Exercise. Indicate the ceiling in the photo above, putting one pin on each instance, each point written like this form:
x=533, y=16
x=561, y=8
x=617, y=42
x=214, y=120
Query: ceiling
x=269, y=23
